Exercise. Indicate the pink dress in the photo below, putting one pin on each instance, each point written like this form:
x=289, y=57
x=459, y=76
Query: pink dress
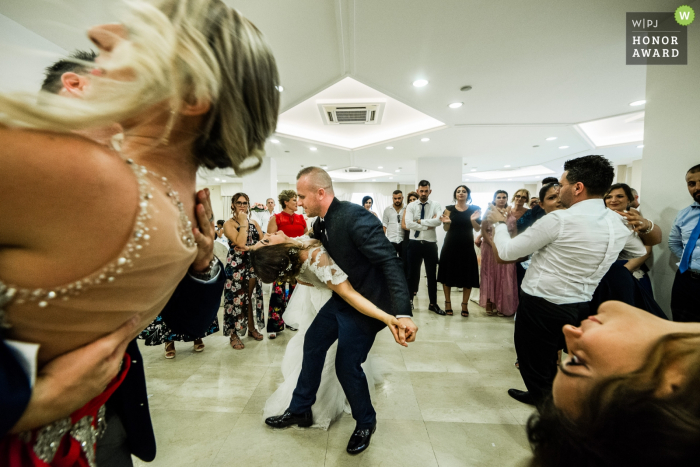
x=499, y=282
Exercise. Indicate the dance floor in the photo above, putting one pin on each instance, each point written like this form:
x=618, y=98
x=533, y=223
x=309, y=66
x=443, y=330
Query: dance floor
x=442, y=401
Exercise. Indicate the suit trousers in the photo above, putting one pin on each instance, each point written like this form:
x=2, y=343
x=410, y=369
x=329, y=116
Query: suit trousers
x=335, y=321
x=684, y=297
x=419, y=251
x=539, y=337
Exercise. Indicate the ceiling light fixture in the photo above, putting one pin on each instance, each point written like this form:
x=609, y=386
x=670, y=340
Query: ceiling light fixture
x=279, y=88
x=397, y=170
x=425, y=139
x=563, y=147
x=223, y=181
x=390, y=147
x=374, y=179
x=419, y=83
x=313, y=148
x=473, y=170
x=380, y=167
x=275, y=141
x=551, y=138
x=637, y=103
x=640, y=146
x=216, y=179
x=507, y=165
x=456, y=105
x=391, y=178
x=465, y=88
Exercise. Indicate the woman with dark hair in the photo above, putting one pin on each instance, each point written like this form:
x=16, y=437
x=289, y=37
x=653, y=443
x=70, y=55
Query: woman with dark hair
x=458, y=266
x=242, y=285
x=627, y=395
x=368, y=202
x=293, y=225
x=499, y=286
x=278, y=257
x=411, y=197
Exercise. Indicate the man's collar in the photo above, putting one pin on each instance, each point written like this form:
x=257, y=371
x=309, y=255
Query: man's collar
x=695, y=205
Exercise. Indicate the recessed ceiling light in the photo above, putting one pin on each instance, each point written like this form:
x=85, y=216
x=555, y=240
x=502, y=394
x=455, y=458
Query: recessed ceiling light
x=563, y=147
x=391, y=178
x=465, y=88
x=473, y=170
x=324, y=165
x=640, y=146
x=224, y=181
x=313, y=148
x=551, y=138
x=507, y=165
x=636, y=103
x=510, y=179
x=216, y=179
x=380, y=167
x=397, y=170
x=425, y=139
x=279, y=88
x=276, y=141
x=374, y=179
x=456, y=105
x=390, y=147
x=419, y=83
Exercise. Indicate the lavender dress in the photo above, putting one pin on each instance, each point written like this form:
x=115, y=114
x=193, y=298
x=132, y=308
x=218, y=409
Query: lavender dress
x=499, y=282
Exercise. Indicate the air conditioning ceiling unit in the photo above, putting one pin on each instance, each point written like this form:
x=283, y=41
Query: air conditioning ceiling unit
x=354, y=170
x=351, y=114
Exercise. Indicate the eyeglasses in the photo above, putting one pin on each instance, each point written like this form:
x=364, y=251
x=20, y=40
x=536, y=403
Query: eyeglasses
x=239, y=203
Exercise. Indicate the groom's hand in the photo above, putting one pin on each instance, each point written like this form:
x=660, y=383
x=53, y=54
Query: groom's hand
x=411, y=328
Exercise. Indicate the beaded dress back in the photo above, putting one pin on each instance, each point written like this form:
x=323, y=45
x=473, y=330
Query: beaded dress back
x=140, y=281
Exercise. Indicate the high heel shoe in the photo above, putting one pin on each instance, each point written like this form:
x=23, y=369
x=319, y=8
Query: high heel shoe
x=448, y=311
x=255, y=334
x=465, y=310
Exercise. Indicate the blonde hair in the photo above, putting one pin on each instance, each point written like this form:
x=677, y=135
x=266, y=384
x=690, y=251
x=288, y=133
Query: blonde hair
x=178, y=51
x=527, y=197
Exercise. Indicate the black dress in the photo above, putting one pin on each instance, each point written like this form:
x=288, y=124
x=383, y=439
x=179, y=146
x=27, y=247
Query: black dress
x=458, y=265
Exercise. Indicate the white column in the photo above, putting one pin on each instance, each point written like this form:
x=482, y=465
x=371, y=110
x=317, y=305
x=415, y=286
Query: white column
x=262, y=184
x=444, y=175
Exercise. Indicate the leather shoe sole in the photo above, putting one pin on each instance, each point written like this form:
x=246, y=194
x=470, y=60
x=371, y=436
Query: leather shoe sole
x=521, y=396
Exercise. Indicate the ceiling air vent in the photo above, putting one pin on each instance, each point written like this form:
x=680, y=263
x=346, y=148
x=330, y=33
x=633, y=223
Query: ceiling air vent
x=351, y=114
x=355, y=170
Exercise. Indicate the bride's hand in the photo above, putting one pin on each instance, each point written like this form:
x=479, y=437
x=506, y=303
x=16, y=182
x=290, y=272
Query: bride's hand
x=397, y=329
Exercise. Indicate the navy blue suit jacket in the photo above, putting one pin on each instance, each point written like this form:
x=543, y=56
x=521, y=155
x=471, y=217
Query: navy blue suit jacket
x=190, y=310
x=355, y=239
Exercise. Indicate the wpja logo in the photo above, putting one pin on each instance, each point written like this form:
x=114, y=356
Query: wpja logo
x=659, y=38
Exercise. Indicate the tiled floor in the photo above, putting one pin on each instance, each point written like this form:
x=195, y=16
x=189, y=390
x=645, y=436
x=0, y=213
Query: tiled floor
x=442, y=401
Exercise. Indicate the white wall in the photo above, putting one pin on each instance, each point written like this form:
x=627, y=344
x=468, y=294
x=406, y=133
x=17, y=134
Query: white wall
x=670, y=149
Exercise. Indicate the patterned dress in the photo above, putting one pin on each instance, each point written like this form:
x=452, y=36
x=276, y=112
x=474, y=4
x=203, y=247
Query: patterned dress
x=239, y=272
x=158, y=333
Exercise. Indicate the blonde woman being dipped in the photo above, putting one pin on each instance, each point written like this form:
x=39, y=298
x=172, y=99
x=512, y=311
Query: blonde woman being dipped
x=192, y=83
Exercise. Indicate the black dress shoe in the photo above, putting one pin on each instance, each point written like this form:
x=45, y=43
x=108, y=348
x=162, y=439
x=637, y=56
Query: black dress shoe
x=290, y=328
x=359, y=441
x=521, y=396
x=436, y=309
x=302, y=420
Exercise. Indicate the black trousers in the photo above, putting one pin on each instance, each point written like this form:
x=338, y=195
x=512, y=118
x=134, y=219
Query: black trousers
x=538, y=338
x=335, y=322
x=419, y=251
x=684, y=297
x=113, y=448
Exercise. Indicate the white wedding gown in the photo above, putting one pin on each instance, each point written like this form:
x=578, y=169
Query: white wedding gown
x=303, y=306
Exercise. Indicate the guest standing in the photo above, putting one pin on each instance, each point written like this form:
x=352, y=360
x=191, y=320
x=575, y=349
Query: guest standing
x=422, y=218
x=242, y=285
x=520, y=200
x=683, y=242
x=458, y=264
x=391, y=220
x=412, y=196
x=293, y=225
x=535, y=212
x=499, y=287
x=263, y=217
x=368, y=202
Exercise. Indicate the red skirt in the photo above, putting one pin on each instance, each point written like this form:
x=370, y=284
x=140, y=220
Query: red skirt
x=69, y=442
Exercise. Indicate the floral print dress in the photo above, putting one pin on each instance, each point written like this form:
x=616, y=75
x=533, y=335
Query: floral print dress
x=239, y=271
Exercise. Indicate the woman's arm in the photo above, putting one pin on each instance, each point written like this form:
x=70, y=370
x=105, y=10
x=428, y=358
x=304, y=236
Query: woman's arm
x=446, y=221
x=474, y=218
x=635, y=263
x=364, y=306
x=403, y=221
x=272, y=225
x=237, y=237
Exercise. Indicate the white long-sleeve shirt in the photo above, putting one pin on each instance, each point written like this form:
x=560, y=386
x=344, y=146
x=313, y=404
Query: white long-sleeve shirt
x=571, y=250
x=432, y=208
x=391, y=220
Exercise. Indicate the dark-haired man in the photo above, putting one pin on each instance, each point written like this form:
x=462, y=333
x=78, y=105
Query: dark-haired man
x=391, y=220
x=684, y=242
x=422, y=216
x=574, y=249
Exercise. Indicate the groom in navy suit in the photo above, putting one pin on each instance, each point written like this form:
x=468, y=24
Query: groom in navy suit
x=355, y=239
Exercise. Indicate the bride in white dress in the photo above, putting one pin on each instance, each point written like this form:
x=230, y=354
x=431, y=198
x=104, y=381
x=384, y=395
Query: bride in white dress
x=278, y=256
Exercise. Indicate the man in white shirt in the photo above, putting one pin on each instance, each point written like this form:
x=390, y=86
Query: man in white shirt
x=263, y=217
x=422, y=216
x=391, y=220
x=571, y=251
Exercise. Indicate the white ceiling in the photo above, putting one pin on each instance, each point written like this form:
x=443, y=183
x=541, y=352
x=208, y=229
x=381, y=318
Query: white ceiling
x=537, y=68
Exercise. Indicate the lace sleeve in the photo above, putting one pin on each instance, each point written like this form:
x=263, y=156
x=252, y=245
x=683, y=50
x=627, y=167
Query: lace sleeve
x=323, y=266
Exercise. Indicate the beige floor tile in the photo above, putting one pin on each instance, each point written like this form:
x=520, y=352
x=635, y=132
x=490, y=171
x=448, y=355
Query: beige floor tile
x=438, y=357
x=393, y=398
x=466, y=444
x=396, y=442
x=253, y=444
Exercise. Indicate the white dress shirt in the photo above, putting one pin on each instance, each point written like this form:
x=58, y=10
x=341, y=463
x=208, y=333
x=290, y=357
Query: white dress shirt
x=263, y=218
x=391, y=220
x=432, y=208
x=571, y=250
